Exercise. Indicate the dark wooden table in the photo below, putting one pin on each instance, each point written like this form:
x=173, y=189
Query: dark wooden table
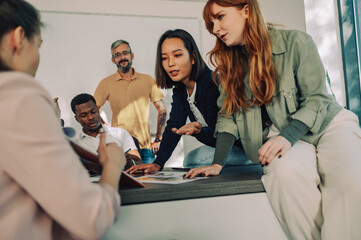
x=231, y=181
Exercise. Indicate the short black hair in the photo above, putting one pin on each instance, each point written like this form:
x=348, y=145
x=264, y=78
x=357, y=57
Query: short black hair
x=80, y=99
x=162, y=78
x=15, y=13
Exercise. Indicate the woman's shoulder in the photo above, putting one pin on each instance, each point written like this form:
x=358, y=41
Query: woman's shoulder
x=8, y=77
x=206, y=77
x=207, y=89
x=287, y=35
x=20, y=85
x=284, y=39
x=179, y=90
x=19, y=80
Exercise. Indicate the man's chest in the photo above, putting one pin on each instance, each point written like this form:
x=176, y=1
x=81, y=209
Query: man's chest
x=128, y=89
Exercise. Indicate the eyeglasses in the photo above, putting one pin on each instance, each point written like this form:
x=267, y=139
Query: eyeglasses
x=119, y=54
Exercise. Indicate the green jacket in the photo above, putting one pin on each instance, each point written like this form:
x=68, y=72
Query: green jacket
x=300, y=94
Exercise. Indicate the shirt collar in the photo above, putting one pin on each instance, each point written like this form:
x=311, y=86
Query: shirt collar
x=192, y=97
x=84, y=135
x=119, y=77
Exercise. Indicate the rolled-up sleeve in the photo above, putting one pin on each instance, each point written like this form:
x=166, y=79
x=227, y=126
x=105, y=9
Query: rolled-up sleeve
x=225, y=124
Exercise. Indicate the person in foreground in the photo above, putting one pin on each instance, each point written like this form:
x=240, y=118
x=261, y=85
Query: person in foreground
x=45, y=191
x=274, y=99
x=179, y=64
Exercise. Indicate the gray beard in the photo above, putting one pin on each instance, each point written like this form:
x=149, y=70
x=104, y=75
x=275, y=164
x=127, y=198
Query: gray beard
x=126, y=68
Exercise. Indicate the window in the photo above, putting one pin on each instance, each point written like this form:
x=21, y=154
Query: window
x=350, y=31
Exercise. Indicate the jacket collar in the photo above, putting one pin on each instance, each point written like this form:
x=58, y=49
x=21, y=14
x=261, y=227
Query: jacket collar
x=277, y=42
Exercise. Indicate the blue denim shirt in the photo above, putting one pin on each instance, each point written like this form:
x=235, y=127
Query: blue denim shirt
x=205, y=100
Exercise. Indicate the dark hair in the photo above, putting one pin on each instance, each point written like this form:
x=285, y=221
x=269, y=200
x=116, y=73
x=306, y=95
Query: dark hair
x=15, y=13
x=80, y=99
x=162, y=78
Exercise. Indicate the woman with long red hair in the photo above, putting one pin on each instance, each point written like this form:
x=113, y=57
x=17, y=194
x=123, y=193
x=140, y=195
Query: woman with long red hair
x=274, y=98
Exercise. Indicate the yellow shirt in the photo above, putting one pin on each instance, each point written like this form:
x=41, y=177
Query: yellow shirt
x=129, y=102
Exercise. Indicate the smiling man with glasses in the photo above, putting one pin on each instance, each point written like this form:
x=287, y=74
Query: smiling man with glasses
x=129, y=94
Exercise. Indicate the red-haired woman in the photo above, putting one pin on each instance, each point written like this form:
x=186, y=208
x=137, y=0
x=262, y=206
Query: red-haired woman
x=274, y=99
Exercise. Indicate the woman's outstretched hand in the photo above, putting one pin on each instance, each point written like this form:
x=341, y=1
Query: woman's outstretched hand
x=212, y=170
x=189, y=129
x=275, y=147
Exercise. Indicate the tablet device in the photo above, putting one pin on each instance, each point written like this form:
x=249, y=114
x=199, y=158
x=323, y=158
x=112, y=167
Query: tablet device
x=128, y=181
x=90, y=161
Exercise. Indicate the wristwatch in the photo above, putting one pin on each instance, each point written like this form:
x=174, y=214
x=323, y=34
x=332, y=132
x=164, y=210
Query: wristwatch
x=157, y=140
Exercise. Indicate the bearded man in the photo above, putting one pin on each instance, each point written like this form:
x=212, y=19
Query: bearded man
x=129, y=94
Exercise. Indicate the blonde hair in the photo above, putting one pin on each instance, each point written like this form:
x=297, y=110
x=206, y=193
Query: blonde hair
x=232, y=63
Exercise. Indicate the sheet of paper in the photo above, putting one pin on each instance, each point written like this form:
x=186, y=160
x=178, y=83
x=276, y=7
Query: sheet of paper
x=126, y=180
x=166, y=177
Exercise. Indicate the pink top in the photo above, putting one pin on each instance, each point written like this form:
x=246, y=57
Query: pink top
x=45, y=192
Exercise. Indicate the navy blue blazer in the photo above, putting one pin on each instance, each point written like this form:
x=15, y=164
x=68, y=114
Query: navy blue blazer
x=206, y=101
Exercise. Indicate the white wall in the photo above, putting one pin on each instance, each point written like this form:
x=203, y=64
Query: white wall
x=76, y=56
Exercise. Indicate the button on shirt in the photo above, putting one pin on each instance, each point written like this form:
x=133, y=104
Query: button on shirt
x=197, y=114
x=118, y=135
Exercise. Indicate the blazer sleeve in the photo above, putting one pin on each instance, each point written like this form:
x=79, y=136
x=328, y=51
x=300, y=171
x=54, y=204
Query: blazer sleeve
x=177, y=119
